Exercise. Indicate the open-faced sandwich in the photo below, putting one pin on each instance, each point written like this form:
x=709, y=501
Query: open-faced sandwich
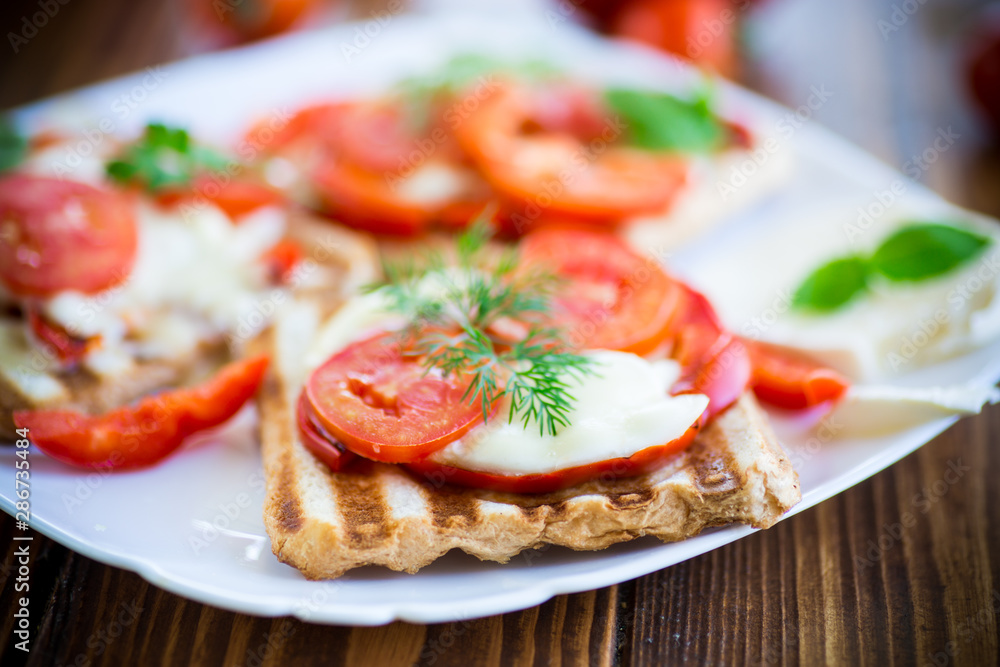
x=144, y=268
x=432, y=151
x=565, y=390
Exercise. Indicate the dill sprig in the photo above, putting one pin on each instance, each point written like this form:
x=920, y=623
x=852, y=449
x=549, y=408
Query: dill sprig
x=452, y=310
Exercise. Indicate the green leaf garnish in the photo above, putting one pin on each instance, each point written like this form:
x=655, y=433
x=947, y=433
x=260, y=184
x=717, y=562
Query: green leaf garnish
x=661, y=122
x=164, y=157
x=13, y=145
x=915, y=252
x=536, y=372
x=920, y=251
x=832, y=285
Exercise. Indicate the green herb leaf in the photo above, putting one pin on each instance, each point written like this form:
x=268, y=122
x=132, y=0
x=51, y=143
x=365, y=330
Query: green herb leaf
x=535, y=372
x=661, y=122
x=832, y=285
x=920, y=251
x=13, y=145
x=164, y=157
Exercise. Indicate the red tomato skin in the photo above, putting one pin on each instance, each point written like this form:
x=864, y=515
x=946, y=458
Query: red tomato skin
x=790, y=380
x=633, y=304
x=140, y=435
x=596, y=187
x=69, y=349
x=281, y=260
x=62, y=235
x=384, y=406
x=639, y=463
x=323, y=445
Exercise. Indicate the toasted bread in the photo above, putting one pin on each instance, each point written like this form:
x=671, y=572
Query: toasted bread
x=326, y=523
x=338, y=260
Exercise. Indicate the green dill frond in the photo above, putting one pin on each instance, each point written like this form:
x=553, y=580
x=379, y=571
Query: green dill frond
x=534, y=372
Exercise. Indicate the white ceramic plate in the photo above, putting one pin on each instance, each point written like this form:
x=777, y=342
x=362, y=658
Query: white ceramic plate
x=193, y=524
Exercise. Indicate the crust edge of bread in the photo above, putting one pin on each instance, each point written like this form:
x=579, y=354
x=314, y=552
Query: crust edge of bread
x=325, y=524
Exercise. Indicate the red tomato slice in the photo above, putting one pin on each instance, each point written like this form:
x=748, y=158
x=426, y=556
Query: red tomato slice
x=713, y=361
x=61, y=235
x=789, y=379
x=281, y=260
x=144, y=433
x=69, y=349
x=566, y=172
x=371, y=200
x=318, y=441
x=385, y=406
x=236, y=198
x=612, y=297
x=637, y=464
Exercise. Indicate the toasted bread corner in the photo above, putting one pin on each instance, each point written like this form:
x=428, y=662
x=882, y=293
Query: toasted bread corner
x=326, y=523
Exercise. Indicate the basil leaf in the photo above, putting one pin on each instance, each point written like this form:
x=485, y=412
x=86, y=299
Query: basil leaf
x=662, y=122
x=832, y=285
x=164, y=157
x=13, y=145
x=920, y=251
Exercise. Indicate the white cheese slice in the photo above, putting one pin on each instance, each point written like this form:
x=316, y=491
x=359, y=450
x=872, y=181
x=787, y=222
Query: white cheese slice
x=876, y=410
x=622, y=409
x=893, y=329
x=27, y=368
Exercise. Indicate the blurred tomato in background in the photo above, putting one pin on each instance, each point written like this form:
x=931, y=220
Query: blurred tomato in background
x=229, y=22
x=983, y=65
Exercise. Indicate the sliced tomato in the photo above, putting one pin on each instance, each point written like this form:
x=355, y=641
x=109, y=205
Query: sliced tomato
x=281, y=260
x=611, y=297
x=566, y=173
x=385, y=405
x=789, y=379
x=641, y=462
x=714, y=362
x=69, y=349
x=375, y=200
x=61, y=235
x=318, y=441
x=235, y=198
x=142, y=434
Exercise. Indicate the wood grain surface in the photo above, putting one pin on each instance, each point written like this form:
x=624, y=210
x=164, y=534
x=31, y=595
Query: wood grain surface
x=901, y=569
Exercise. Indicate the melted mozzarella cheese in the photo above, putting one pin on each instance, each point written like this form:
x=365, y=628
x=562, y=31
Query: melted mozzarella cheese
x=195, y=278
x=27, y=368
x=622, y=409
x=894, y=328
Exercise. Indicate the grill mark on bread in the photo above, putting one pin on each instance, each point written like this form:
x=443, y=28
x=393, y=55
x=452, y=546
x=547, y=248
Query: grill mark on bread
x=363, y=509
x=452, y=510
x=630, y=499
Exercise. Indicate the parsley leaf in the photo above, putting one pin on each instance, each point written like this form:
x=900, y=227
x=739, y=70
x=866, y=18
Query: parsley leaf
x=662, y=122
x=921, y=251
x=164, y=157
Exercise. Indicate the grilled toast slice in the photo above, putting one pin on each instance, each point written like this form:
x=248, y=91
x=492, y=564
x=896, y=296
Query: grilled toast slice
x=327, y=523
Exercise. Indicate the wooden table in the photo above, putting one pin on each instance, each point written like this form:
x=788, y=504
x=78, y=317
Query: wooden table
x=808, y=591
